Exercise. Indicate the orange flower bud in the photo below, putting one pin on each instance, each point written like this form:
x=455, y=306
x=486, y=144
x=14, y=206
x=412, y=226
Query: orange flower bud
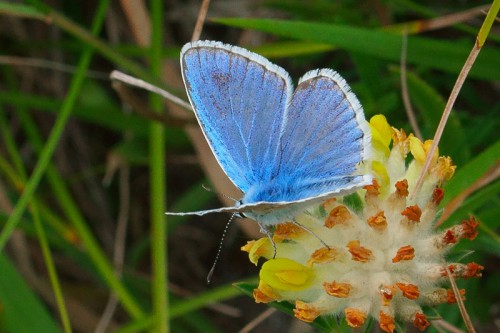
x=378, y=221
x=409, y=290
x=402, y=188
x=338, y=215
x=386, y=322
x=358, y=252
x=404, y=253
x=413, y=213
x=287, y=230
x=323, y=256
x=421, y=321
x=337, y=289
x=306, y=312
x=354, y=317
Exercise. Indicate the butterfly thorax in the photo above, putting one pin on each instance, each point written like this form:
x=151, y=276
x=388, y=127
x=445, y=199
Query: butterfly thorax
x=276, y=190
x=281, y=199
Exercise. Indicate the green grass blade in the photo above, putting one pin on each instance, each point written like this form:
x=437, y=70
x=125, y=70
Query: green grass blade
x=46, y=156
x=488, y=22
x=20, y=10
x=91, y=103
x=438, y=54
x=51, y=269
x=22, y=311
x=196, y=302
x=49, y=263
x=291, y=49
x=483, y=197
x=321, y=324
x=51, y=142
x=158, y=185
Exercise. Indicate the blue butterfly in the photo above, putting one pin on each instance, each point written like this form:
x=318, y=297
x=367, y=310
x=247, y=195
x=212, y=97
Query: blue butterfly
x=285, y=150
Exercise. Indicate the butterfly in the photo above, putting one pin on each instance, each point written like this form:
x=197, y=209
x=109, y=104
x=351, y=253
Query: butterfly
x=285, y=149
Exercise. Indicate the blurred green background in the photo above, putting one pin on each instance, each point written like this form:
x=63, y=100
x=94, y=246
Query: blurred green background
x=85, y=178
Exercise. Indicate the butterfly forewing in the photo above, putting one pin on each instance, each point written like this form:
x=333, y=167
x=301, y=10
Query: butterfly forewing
x=239, y=99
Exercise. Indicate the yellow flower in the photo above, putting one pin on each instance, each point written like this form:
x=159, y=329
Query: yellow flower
x=381, y=130
x=286, y=274
x=381, y=134
x=384, y=259
x=257, y=249
x=420, y=150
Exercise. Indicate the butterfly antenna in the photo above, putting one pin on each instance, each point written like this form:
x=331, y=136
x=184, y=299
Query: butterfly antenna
x=206, y=188
x=311, y=232
x=216, y=260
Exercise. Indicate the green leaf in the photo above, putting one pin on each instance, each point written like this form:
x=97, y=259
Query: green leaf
x=482, y=197
x=21, y=310
x=322, y=324
x=469, y=173
x=15, y=9
x=96, y=107
x=291, y=49
x=448, y=56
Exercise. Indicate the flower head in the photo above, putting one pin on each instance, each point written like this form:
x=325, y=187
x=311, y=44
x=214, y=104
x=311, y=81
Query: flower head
x=384, y=259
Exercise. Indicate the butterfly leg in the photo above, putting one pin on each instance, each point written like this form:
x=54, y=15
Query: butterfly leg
x=311, y=232
x=269, y=235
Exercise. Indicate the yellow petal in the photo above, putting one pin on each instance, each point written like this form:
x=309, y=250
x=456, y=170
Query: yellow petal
x=420, y=150
x=417, y=149
x=286, y=274
x=427, y=148
x=444, y=168
x=259, y=248
x=264, y=293
x=381, y=175
x=383, y=132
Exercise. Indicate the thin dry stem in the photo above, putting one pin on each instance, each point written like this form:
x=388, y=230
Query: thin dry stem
x=137, y=104
x=138, y=19
x=200, y=21
x=130, y=80
x=257, y=320
x=119, y=246
x=446, y=113
x=444, y=21
x=47, y=64
x=404, y=90
x=441, y=323
x=460, y=302
x=489, y=176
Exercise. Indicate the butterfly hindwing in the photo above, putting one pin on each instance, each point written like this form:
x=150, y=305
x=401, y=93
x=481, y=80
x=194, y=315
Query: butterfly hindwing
x=326, y=137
